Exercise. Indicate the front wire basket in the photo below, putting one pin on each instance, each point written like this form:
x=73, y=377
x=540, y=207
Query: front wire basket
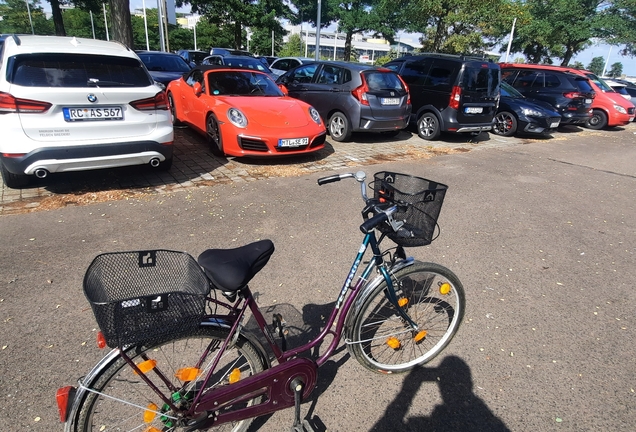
x=146, y=296
x=419, y=203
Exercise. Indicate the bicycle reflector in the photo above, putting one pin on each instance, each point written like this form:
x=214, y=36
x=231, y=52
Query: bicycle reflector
x=150, y=413
x=393, y=342
x=101, y=340
x=403, y=302
x=187, y=374
x=444, y=288
x=146, y=366
x=235, y=375
x=63, y=396
x=420, y=336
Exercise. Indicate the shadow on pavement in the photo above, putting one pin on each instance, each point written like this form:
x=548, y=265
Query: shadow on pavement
x=461, y=409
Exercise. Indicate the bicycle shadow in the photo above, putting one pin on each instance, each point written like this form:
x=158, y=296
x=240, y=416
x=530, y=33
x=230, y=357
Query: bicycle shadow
x=461, y=410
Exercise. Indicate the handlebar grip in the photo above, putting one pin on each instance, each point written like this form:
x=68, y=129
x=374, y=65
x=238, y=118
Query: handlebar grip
x=330, y=179
x=371, y=223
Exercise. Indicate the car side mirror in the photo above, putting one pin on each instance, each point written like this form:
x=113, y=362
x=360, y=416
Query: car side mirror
x=197, y=88
x=283, y=89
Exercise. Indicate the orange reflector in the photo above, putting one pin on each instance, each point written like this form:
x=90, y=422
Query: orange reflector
x=420, y=336
x=187, y=374
x=146, y=366
x=152, y=429
x=150, y=414
x=444, y=288
x=403, y=302
x=393, y=342
x=62, y=397
x=101, y=340
x=235, y=375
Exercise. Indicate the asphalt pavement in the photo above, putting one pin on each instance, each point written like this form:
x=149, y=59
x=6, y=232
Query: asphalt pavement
x=542, y=234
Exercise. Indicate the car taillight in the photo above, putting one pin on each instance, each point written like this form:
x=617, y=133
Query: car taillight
x=158, y=102
x=455, y=96
x=360, y=93
x=408, y=92
x=572, y=95
x=11, y=104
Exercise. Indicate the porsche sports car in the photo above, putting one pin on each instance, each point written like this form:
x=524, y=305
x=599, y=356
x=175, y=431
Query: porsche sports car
x=242, y=112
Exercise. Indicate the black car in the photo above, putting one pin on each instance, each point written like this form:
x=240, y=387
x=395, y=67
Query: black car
x=570, y=94
x=351, y=97
x=450, y=93
x=163, y=66
x=518, y=114
x=193, y=57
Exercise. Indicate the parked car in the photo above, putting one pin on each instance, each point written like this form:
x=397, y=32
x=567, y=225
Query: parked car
x=163, y=66
x=72, y=104
x=193, y=57
x=283, y=64
x=619, y=87
x=242, y=112
x=229, y=51
x=351, y=97
x=238, y=61
x=517, y=114
x=268, y=59
x=569, y=93
x=450, y=93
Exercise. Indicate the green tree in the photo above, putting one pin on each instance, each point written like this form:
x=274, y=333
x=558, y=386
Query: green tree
x=596, y=65
x=616, y=70
x=261, y=42
x=293, y=48
x=15, y=18
x=578, y=65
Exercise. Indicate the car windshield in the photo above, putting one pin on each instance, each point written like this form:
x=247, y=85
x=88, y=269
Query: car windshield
x=250, y=63
x=164, y=63
x=510, y=91
x=599, y=82
x=377, y=80
x=582, y=83
x=239, y=83
x=481, y=79
x=76, y=70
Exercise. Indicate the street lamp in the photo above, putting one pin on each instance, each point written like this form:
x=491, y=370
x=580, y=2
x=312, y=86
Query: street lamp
x=29, y=12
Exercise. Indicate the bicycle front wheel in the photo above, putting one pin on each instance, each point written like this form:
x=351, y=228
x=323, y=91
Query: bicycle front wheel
x=121, y=401
x=432, y=296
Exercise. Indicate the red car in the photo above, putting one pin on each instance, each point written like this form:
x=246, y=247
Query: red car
x=244, y=113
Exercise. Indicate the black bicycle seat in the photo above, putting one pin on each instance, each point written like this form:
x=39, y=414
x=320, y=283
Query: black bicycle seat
x=232, y=269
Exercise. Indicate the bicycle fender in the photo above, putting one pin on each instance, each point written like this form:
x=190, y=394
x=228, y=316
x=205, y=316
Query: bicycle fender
x=368, y=289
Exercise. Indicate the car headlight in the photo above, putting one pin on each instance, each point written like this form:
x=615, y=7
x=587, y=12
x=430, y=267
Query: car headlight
x=237, y=118
x=620, y=109
x=314, y=115
x=532, y=112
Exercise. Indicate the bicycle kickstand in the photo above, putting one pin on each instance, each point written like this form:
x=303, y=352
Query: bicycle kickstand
x=297, y=387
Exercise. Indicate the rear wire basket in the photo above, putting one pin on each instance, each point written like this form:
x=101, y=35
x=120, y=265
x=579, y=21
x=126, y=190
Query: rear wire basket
x=146, y=296
x=420, y=201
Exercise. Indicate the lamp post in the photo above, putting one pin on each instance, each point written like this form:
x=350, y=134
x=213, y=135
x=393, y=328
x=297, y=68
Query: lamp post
x=105, y=21
x=317, y=53
x=29, y=12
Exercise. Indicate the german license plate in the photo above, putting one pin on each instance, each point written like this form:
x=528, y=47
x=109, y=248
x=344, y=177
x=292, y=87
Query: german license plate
x=554, y=124
x=631, y=119
x=474, y=110
x=588, y=101
x=293, y=142
x=390, y=101
x=93, y=113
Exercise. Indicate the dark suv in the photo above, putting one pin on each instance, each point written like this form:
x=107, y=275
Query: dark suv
x=450, y=93
x=351, y=97
x=570, y=94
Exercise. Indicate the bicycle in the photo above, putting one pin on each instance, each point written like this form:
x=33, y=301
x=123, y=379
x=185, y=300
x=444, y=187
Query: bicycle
x=181, y=359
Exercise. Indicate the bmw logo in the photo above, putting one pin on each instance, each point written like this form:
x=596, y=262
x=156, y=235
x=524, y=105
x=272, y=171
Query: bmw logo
x=91, y=98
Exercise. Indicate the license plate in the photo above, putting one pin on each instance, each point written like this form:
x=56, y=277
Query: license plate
x=93, y=113
x=631, y=119
x=587, y=101
x=554, y=124
x=293, y=142
x=390, y=101
x=474, y=110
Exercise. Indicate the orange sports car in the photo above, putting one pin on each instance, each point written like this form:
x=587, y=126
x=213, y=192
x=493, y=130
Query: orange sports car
x=242, y=112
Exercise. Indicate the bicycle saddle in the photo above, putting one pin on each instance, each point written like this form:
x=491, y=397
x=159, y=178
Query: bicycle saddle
x=232, y=269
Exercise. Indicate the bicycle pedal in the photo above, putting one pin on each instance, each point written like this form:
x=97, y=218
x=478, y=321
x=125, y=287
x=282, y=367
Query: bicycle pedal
x=305, y=426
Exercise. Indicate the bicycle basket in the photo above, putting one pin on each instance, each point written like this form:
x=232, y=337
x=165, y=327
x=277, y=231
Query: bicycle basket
x=145, y=296
x=420, y=201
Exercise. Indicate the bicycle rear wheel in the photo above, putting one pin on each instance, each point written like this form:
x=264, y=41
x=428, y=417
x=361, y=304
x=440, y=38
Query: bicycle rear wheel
x=119, y=386
x=432, y=296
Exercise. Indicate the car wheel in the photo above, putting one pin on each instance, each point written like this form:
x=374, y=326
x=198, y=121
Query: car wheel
x=505, y=124
x=428, y=127
x=14, y=181
x=214, y=135
x=339, y=127
x=173, y=111
x=597, y=121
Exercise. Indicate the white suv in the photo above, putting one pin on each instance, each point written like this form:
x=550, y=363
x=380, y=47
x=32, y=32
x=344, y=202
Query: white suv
x=71, y=104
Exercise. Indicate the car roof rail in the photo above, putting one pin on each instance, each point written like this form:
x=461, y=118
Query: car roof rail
x=476, y=56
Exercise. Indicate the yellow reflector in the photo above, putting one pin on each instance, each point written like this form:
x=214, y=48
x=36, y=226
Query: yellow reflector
x=187, y=374
x=420, y=336
x=235, y=375
x=393, y=342
x=444, y=288
x=403, y=302
x=149, y=414
x=146, y=366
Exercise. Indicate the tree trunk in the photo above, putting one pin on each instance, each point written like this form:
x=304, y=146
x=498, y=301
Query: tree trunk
x=237, y=35
x=347, y=47
x=57, y=18
x=121, y=23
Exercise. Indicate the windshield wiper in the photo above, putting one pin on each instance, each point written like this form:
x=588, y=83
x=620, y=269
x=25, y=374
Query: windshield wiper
x=97, y=83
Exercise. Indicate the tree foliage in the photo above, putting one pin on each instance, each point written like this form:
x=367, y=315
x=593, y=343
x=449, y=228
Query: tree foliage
x=616, y=70
x=596, y=65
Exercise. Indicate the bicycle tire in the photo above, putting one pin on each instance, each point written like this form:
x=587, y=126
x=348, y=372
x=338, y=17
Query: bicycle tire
x=381, y=340
x=118, y=380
